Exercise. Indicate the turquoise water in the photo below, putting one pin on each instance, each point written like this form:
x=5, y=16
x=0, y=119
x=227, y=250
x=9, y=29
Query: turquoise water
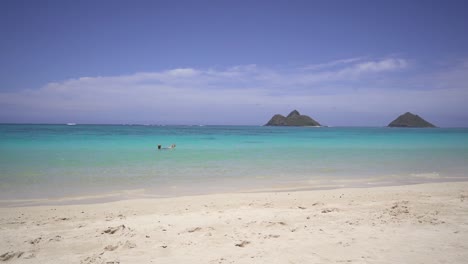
x=46, y=161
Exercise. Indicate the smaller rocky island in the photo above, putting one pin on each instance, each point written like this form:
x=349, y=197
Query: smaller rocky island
x=293, y=119
x=410, y=120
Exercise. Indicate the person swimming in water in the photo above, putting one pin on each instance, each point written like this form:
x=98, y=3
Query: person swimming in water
x=170, y=147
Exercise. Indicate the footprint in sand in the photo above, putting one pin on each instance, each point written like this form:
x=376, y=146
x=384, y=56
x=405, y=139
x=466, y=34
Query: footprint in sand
x=275, y=223
x=30, y=255
x=128, y=245
x=113, y=230
x=93, y=259
x=194, y=229
x=242, y=244
x=55, y=239
x=399, y=208
x=10, y=255
x=35, y=241
x=329, y=210
x=111, y=247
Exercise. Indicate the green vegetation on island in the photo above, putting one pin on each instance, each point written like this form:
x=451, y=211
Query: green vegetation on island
x=293, y=119
x=410, y=120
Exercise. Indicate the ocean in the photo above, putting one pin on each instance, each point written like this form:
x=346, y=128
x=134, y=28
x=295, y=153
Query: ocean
x=56, y=161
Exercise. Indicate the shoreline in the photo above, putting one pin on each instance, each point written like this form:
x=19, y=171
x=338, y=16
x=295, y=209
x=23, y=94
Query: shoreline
x=136, y=194
x=421, y=223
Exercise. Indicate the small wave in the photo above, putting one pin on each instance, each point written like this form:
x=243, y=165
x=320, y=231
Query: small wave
x=428, y=175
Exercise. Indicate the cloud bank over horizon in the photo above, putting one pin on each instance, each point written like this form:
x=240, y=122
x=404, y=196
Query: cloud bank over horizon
x=351, y=91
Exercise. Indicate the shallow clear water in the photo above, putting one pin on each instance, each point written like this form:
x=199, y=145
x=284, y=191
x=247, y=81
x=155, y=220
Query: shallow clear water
x=59, y=160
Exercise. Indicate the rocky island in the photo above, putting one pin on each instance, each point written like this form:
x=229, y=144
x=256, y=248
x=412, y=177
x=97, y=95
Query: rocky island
x=410, y=120
x=293, y=119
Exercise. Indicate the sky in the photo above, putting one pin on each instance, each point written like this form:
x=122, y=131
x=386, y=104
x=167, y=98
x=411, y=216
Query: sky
x=344, y=63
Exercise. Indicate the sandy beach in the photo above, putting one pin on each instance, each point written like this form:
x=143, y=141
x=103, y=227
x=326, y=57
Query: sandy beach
x=426, y=223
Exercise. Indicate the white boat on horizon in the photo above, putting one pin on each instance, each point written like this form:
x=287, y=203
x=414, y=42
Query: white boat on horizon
x=71, y=124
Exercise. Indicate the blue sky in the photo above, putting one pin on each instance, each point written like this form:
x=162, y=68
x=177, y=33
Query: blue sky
x=233, y=62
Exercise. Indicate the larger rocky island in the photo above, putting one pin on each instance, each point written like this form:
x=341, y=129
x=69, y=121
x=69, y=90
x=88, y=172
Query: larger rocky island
x=410, y=120
x=293, y=119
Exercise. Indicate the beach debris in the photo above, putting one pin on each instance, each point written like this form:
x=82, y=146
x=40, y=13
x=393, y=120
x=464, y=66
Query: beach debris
x=302, y=207
x=10, y=254
x=243, y=243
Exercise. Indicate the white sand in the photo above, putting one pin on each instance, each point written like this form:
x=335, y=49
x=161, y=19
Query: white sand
x=425, y=223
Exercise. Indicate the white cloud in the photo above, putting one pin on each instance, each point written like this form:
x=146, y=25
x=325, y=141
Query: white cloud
x=353, y=71
x=187, y=72
x=382, y=65
x=247, y=94
x=331, y=64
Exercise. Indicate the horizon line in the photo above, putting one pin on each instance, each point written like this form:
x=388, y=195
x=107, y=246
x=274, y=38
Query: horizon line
x=212, y=125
